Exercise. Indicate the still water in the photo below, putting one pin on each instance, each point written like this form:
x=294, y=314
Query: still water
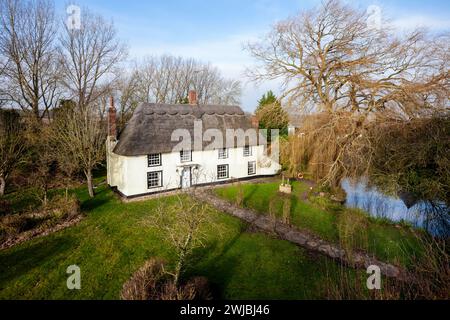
x=433, y=217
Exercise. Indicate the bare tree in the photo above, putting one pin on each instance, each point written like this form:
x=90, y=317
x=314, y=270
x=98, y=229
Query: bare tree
x=354, y=76
x=330, y=60
x=3, y=97
x=42, y=159
x=168, y=79
x=12, y=145
x=27, y=45
x=88, y=56
x=183, y=224
x=81, y=134
x=127, y=87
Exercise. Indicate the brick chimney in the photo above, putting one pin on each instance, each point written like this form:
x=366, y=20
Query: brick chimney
x=193, y=98
x=112, y=127
x=255, y=122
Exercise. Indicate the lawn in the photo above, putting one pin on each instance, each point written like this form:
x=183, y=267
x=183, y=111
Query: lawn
x=112, y=242
x=388, y=242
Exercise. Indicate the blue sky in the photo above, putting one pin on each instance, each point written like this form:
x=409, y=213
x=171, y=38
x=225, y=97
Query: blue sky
x=215, y=31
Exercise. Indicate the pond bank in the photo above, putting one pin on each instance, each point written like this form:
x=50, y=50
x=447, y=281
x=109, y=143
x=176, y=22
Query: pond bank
x=301, y=238
x=420, y=214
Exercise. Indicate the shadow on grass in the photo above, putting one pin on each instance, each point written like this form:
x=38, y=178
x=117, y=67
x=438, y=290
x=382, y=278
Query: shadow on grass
x=101, y=198
x=218, y=267
x=18, y=261
x=294, y=206
x=250, y=195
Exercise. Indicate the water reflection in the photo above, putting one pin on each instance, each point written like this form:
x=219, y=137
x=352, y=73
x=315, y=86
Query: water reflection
x=432, y=216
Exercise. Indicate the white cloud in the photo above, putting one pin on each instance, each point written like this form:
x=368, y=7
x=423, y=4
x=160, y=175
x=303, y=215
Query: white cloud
x=419, y=21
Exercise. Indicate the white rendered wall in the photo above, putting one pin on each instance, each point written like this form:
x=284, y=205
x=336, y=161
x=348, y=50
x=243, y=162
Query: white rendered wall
x=115, y=166
x=129, y=174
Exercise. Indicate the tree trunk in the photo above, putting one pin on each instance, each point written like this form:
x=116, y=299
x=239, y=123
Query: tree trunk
x=2, y=186
x=178, y=269
x=181, y=259
x=90, y=184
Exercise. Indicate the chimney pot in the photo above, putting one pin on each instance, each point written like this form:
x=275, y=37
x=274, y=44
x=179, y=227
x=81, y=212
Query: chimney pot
x=255, y=122
x=193, y=97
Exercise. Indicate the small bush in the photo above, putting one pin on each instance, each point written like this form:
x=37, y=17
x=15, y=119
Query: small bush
x=323, y=203
x=202, y=288
x=58, y=210
x=352, y=229
x=239, y=195
x=61, y=207
x=169, y=291
x=5, y=207
x=145, y=283
x=151, y=282
x=287, y=210
x=273, y=210
x=432, y=271
x=430, y=279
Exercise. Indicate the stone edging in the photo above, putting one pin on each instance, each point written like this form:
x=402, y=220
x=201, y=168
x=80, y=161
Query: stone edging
x=303, y=238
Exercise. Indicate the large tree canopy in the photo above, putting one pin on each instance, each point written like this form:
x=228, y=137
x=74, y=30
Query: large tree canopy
x=330, y=59
x=356, y=77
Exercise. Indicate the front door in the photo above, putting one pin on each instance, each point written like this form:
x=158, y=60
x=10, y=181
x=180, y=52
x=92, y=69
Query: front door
x=186, y=178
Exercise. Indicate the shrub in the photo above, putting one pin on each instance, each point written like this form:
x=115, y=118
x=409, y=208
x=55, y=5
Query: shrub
x=287, y=210
x=432, y=271
x=430, y=279
x=151, y=282
x=273, y=210
x=5, y=207
x=239, y=194
x=59, y=210
x=170, y=291
x=62, y=207
x=352, y=229
x=144, y=284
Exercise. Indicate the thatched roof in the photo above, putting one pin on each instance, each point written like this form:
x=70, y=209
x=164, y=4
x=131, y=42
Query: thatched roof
x=151, y=126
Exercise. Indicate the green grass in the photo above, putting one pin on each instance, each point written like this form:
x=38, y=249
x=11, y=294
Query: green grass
x=320, y=216
x=111, y=243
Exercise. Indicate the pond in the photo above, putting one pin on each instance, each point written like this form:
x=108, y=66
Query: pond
x=431, y=216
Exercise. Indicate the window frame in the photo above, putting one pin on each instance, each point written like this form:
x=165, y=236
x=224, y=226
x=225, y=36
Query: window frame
x=249, y=153
x=227, y=171
x=253, y=166
x=182, y=153
x=154, y=165
x=222, y=155
x=160, y=177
